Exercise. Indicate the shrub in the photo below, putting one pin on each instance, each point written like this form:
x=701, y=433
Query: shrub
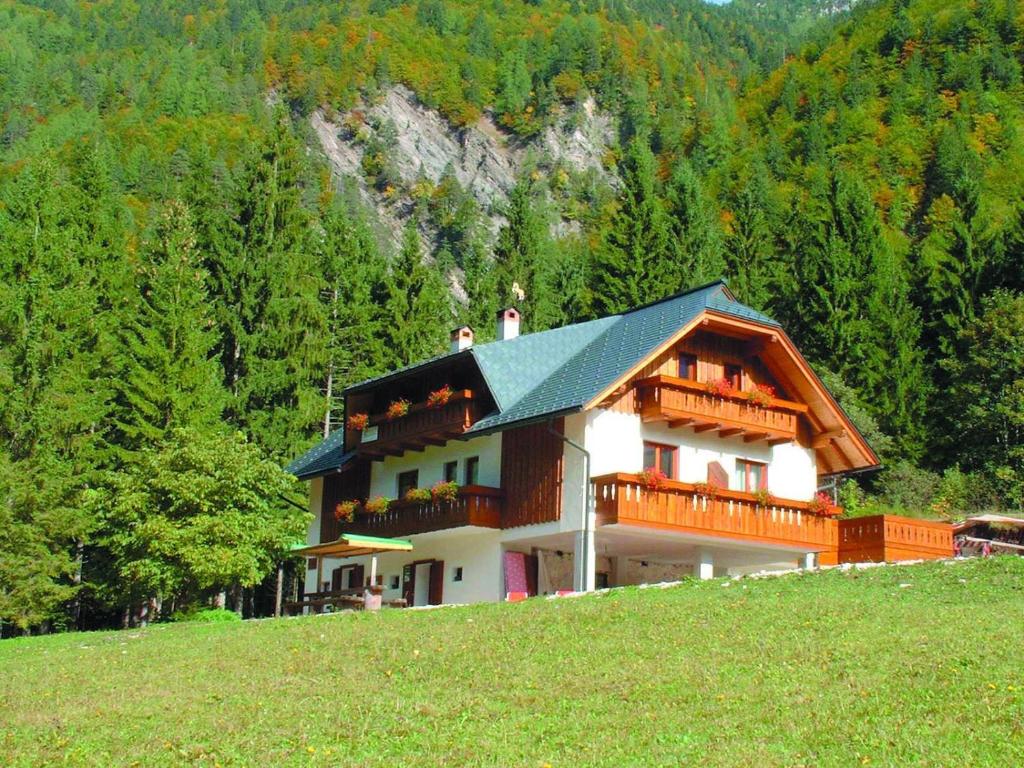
x=439, y=397
x=206, y=615
x=445, y=491
x=652, y=478
x=397, y=409
x=377, y=506
x=346, y=510
x=358, y=421
x=763, y=497
x=417, y=495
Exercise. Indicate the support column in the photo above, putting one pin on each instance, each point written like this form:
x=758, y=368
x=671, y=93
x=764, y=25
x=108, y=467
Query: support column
x=704, y=568
x=809, y=561
x=618, y=574
x=584, y=562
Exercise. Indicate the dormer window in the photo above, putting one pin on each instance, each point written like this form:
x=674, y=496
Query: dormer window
x=688, y=366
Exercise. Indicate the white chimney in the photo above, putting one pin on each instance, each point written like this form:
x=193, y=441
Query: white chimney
x=508, y=323
x=462, y=338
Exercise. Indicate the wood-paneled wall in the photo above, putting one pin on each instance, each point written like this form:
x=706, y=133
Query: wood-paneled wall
x=353, y=483
x=531, y=475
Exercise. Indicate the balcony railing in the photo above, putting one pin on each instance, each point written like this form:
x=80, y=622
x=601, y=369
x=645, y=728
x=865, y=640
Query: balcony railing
x=476, y=505
x=683, y=402
x=421, y=426
x=881, y=538
x=623, y=499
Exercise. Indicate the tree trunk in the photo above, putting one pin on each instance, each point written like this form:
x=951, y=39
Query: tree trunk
x=279, y=590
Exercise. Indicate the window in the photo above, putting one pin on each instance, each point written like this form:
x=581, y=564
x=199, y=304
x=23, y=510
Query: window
x=661, y=456
x=473, y=470
x=457, y=574
x=734, y=374
x=688, y=367
x=395, y=581
x=751, y=476
x=451, y=471
x=407, y=481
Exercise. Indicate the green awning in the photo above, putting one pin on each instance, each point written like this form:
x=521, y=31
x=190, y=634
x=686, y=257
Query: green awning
x=352, y=545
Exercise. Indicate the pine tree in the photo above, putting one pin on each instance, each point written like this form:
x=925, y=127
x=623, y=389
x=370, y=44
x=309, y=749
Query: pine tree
x=697, y=243
x=273, y=340
x=60, y=265
x=170, y=378
x=521, y=254
x=632, y=265
x=355, y=280
x=417, y=315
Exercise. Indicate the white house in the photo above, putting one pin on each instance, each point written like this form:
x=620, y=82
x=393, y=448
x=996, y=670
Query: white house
x=701, y=432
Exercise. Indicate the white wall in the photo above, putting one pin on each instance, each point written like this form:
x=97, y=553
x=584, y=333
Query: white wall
x=616, y=440
x=430, y=463
x=479, y=554
x=316, y=490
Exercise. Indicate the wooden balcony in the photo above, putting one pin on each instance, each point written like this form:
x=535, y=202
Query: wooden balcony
x=476, y=505
x=682, y=402
x=676, y=506
x=890, y=538
x=420, y=427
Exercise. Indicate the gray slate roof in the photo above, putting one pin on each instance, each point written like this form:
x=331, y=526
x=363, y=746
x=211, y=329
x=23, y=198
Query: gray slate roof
x=559, y=371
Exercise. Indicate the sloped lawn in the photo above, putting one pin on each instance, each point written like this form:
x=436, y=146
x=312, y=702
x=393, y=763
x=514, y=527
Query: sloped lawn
x=909, y=665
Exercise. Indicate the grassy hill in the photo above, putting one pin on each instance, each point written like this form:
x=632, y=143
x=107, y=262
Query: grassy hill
x=912, y=665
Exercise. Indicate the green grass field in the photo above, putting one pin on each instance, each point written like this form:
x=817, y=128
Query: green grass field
x=910, y=665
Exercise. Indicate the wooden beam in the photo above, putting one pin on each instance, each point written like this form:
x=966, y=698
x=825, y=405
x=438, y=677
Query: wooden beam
x=706, y=427
x=824, y=438
x=780, y=440
x=679, y=423
x=730, y=432
x=753, y=437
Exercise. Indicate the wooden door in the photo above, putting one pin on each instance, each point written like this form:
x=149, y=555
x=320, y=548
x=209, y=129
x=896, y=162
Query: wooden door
x=436, y=582
x=356, y=582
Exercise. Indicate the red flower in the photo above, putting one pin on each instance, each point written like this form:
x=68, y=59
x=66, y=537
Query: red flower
x=439, y=397
x=652, y=478
x=358, y=421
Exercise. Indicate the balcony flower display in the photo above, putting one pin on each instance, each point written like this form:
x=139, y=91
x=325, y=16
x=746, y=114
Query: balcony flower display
x=445, y=491
x=358, y=421
x=439, y=397
x=707, y=490
x=346, y=510
x=822, y=504
x=652, y=478
x=397, y=409
x=761, y=394
x=721, y=387
x=764, y=498
x=377, y=506
x=418, y=495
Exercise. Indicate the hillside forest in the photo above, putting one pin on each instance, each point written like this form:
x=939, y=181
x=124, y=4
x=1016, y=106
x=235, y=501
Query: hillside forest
x=190, y=272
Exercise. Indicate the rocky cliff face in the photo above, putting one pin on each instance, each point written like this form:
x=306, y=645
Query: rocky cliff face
x=416, y=144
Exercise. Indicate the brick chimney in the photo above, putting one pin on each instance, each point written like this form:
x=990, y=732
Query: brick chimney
x=508, y=323
x=462, y=338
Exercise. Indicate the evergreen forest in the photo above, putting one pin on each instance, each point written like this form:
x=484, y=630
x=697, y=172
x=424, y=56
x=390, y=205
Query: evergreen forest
x=186, y=283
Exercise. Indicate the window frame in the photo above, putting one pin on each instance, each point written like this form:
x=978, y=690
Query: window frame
x=747, y=465
x=472, y=467
x=659, y=450
x=398, y=482
x=453, y=475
